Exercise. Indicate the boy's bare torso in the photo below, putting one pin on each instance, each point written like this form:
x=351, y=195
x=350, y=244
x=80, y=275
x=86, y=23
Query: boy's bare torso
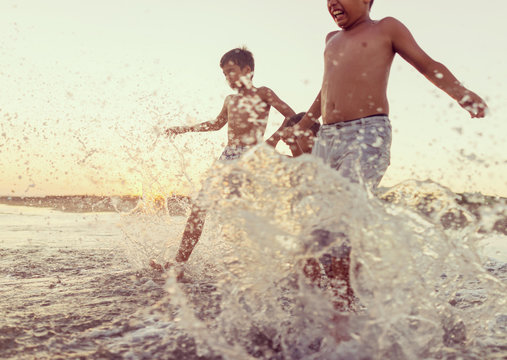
x=356, y=70
x=247, y=116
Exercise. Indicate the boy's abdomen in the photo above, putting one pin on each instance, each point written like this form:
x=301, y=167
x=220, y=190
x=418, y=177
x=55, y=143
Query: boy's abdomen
x=355, y=102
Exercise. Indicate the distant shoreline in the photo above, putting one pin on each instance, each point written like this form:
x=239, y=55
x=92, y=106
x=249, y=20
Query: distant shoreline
x=177, y=205
x=91, y=203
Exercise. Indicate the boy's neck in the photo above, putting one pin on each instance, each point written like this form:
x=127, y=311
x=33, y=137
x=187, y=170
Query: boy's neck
x=245, y=91
x=360, y=21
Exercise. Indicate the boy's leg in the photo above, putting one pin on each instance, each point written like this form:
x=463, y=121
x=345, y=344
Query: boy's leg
x=190, y=237
x=336, y=264
x=358, y=150
x=195, y=221
x=192, y=233
x=311, y=269
x=337, y=269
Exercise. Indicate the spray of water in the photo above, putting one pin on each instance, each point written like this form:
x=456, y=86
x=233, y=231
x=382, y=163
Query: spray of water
x=412, y=282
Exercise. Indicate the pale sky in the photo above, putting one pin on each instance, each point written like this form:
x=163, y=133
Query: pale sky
x=88, y=86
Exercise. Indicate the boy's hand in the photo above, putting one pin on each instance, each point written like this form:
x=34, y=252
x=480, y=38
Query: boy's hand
x=175, y=131
x=288, y=135
x=273, y=140
x=291, y=134
x=474, y=104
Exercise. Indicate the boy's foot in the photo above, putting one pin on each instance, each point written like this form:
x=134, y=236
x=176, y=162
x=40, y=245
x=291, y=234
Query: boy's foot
x=159, y=267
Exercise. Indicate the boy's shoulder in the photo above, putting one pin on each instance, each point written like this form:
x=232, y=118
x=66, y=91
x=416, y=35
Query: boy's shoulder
x=263, y=92
x=229, y=98
x=391, y=26
x=331, y=34
x=389, y=21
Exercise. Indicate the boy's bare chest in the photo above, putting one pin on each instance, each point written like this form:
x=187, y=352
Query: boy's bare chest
x=355, y=47
x=241, y=108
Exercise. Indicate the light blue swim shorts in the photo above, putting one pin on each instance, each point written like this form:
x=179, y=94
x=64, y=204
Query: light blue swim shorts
x=358, y=149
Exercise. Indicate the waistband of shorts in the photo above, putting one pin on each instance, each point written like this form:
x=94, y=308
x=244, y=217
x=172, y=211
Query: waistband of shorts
x=361, y=121
x=236, y=148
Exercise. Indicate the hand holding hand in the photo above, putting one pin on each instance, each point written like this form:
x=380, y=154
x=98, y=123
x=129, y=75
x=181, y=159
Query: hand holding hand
x=474, y=104
x=289, y=135
x=273, y=140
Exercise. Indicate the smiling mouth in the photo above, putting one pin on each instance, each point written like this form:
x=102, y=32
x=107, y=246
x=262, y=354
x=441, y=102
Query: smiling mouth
x=337, y=13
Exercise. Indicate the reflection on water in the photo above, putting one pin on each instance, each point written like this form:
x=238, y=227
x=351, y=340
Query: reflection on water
x=428, y=275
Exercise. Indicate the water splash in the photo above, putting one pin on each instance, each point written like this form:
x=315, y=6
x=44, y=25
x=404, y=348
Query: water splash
x=421, y=288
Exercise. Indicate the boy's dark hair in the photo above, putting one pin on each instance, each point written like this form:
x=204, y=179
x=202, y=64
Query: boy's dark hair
x=239, y=56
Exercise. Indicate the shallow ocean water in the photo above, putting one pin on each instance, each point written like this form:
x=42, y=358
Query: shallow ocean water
x=77, y=285
x=66, y=289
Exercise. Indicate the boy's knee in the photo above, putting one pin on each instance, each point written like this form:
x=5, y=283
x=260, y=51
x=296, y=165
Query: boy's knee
x=336, y=268
x=312, y=269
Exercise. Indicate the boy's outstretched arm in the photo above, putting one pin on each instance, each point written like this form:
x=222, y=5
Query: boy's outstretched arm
x=213, y=125
x=270, y=98
x=404, y=44
x=289, y=134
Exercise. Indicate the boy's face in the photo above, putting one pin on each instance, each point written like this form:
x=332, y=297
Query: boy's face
x=237, y=77
x=347, y=12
